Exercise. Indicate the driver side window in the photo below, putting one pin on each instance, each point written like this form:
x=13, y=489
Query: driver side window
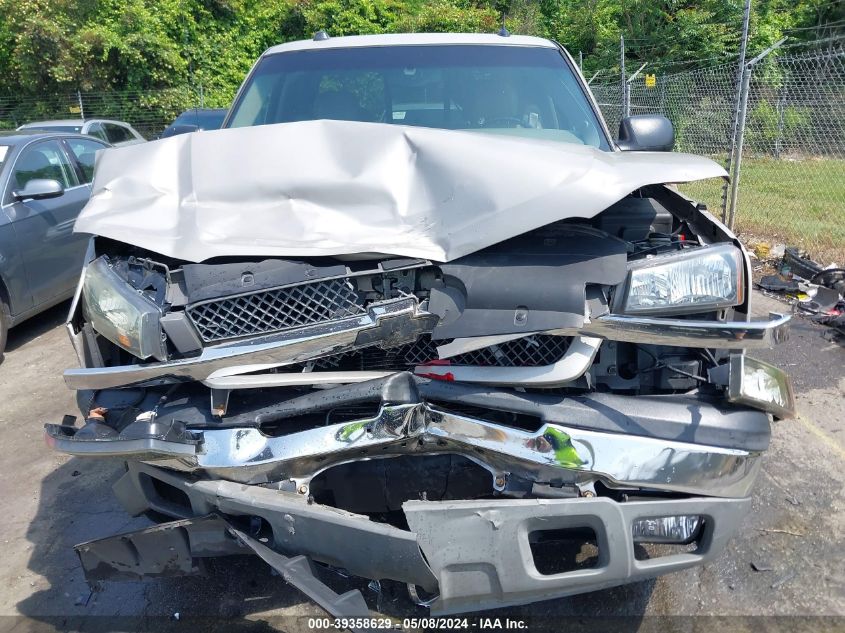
x=44, y=160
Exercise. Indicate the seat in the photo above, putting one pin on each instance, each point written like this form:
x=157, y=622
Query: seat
x=35, y=164
x=340, y=105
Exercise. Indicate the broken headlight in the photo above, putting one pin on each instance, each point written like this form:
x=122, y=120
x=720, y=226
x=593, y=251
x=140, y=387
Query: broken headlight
x=760, y=385
x=696, y=280
x=121, y=313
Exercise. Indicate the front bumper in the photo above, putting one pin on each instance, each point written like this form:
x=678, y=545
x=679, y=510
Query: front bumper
x=672, y=443
x=475, y=554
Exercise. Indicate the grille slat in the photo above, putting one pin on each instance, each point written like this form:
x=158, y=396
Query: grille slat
x=273, y=310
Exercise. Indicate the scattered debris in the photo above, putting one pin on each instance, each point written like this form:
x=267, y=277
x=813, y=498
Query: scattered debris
x=816, y=292
x=782, y=581
x=776, y=283
x=75, y=473
x=781, y=532
x=761, y=566
x=762, y=250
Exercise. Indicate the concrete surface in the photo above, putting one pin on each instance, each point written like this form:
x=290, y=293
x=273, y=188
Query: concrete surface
x=51, y=502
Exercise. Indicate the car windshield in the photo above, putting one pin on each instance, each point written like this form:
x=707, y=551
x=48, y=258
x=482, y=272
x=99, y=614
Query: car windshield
x=514, y=90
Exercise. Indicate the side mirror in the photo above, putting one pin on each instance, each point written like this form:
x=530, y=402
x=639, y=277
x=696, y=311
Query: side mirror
x=646, y=133
x=39, y=189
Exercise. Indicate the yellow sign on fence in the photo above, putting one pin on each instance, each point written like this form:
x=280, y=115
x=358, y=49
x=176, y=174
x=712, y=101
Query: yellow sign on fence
x=650, y=81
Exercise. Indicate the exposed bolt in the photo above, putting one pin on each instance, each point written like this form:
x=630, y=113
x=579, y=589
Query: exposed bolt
x=500, y=481
x=589, y=493
x=303, y=489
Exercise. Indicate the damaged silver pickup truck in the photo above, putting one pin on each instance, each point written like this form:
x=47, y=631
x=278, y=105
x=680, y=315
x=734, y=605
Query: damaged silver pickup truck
x=414, y=315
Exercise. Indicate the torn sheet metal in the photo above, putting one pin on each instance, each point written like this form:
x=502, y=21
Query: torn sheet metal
x=317, y=188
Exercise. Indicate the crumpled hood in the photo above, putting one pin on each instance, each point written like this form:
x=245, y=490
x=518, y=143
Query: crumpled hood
x=318, y=188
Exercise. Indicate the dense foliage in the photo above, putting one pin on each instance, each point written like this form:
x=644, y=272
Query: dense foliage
x=98, y=45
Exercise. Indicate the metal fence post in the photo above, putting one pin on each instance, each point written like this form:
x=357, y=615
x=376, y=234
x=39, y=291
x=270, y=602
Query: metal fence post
x=625, y=103
x=745, y=88
x=663, y=96
x=780, y=106
x=746, y=19
x=743, y=111
x=81, y=109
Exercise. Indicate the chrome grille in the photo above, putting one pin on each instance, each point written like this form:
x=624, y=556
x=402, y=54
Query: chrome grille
x=274, y=310
x=529, y=351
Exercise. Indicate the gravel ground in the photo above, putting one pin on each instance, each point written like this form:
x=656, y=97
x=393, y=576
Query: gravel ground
x=52, y=502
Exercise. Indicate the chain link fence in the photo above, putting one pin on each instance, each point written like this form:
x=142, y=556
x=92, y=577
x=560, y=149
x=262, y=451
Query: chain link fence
x=792, y=170
x=149, y=111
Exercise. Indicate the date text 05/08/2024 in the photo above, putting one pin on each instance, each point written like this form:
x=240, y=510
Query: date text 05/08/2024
x=482, y=624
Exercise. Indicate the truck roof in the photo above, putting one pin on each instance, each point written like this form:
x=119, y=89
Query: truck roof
x=411, y=39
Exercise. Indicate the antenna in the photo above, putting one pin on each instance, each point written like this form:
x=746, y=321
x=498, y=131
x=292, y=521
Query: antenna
x=321, y=36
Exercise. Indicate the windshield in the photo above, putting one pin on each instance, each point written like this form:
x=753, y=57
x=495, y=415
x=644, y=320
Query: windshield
x=521, y=91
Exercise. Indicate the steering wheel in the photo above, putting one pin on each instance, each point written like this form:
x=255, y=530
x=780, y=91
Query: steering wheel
x=513, y=121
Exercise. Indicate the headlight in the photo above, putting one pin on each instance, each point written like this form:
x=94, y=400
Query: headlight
x=121, y=313
x=696, y=280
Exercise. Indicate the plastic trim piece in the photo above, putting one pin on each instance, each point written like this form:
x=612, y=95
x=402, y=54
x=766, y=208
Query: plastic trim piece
x=480, y=554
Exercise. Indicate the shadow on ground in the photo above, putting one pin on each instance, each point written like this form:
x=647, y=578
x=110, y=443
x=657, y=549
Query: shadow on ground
x=38, y=325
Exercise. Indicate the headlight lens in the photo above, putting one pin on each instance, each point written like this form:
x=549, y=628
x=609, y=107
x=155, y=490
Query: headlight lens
x=120, y=313
x=760, y=385
x=697, y=280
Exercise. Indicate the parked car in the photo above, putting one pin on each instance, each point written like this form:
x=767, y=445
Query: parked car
x=195, y=120
x=45, y=180
x=421, y=318
x=116, y=133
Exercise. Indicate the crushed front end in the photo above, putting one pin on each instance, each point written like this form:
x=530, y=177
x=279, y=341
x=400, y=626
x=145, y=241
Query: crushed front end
x=566, y=410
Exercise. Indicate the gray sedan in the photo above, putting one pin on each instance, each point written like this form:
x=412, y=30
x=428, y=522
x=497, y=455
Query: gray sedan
x=117, y=133
x=45, y=180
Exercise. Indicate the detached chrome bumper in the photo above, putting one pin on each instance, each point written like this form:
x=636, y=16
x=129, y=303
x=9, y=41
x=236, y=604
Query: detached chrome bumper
x=557, y=454
x=400, y=321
